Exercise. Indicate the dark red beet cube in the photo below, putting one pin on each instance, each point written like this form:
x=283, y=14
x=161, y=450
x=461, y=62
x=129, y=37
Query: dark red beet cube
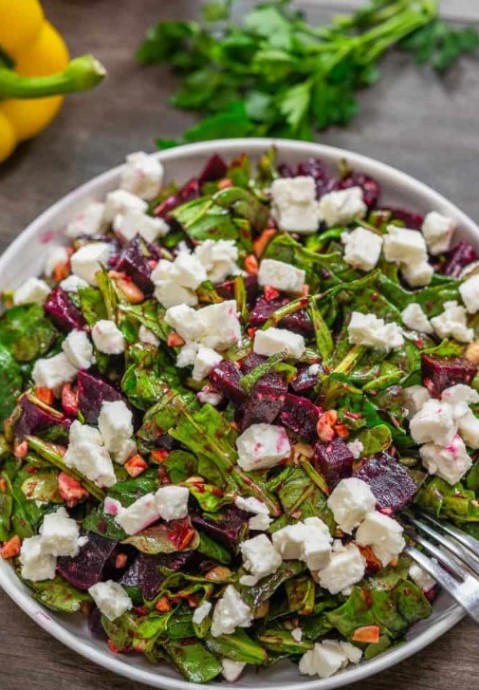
x=371, y=188
x=411, y=220
x=92, y=393
x=305, y=381
x=226, y=378
x=228, y=527
x=144, y=571
x=63, y=312
x=334, y=459
x=263, y=405
x=215, y=169
x=457, y=259
x=251, y=361
x=300, y=415
x=91, y=565
x=227, y=289
x=439, y=373
x=299, y=322
x=134, y=261
x=35, y=420
x=390, y=482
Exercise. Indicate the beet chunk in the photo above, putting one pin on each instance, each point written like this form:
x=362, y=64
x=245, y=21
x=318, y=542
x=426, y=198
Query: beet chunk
x=251, y=361
x=94, y=624
x=299, y=322
x=371, y=188
x=228, y=528
x=35, y=420
x=411, y=220
x=304, y=381
x=63, y=312
x=227, y=289
x=444, y=372
x=144, y=571
x=215, y=169
x=262, y=407
x=457, y=259
x=91, y=564
x=134, y=261
x=334, y=459
x=92, y=393
x=226, y=378
x=390, y=482
x=300, y=415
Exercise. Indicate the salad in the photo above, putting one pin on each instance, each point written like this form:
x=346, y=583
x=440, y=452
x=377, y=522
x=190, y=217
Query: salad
x=218, y=399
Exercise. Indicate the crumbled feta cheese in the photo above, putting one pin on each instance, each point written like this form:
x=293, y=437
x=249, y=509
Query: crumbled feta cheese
x=232, y=669
x=261, y=520
x=119, y=202
x=205, y=360
x=297, y=634
x=138, y=223
x=415, y=397
x=169, y=295
x=452, y=322
x=32, y=290
x=383, y=534
x=73, y=284
x=221, y=326
x=438, y=230
x=115, y=423
x=88, y=260
x=85, y=454
x=172, y=502
x=460, y=397
x=368, y=330
x=142, y=175
x=260, y=558
x=272, y=341
x=345, y=568
x=469, y=291
x=403, y=246
x=53, y=371
x=80, y=433
x=353, y=653
x=350, y=502
x=362, y=248
x=208, y=396
x=468, y=427
x=147, y=337
x=60, y=534
x=308, y=541
x=422, y=579
x=323, y=660
x=218, y=259
x=107, y=337
x=262, y=446
x=417, y=274
x=78, y=349
x=139, y=515
x=88, y=222
x=342, y=207
x=36, y=564
x=294, y=205
x=127, y=450
x=55, y=256
x=414, y=318
x=186, y=322
x=281, y=276
x=314, y=369
x=202, y=612
x=111, y=599
x=356, y=448
x=433, y=423
x=449, y=462
x=188, y=271
x=230, y=613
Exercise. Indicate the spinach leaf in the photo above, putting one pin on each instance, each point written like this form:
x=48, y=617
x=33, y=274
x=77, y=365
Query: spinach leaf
x=59, y=595
x=12, y=380
x=193, y=660
x=26, y=332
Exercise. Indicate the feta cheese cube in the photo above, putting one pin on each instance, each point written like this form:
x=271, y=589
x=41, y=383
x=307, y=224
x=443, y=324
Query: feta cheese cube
x=294, y=205
x=55, y=256
x=32, y=290
x=350, y=502
x=208, y=396
x=73, y=284
x=460, y=397
x=147, y=337
x=415, y=397
x=272, y=341
x=422, y=579
x=362, y=248
x=78, y=349
x=218, y=259
x=202, y=612
x=468, y=427
x=187, y=355
x=112, y=600
x=383, y=534
x=353, y=653
x=261, y=520
x=53, y=372
x=80, y=433
x=262, y=446
x=36, y=564
x=169, y=295
x=127, y=449
x=403, y=246
x=345, y=568
x=434, y=423
x=260, y=557
x=107, y=337
x=308, y=541
x=89, y=259
x=438, y=231
x=139, y=515
x=323, y=660
x=417, y=274
x=232, y=669
x=115, y=423
x=453, y=323
x=297, y=634
x=119, y=202
x=342, y=207
x=414, y=318
x=142, y=175
x=88, y=222
x=172, y=502
x=230, y=613
x=369, y=330
x=138, y=223
x=60, y=534
x=221, y=326
x=281, y=276
x=93, y=461
x=186, y=322
x=449, y=462
x=469, y=291
x=188, y=270
x=206, y=359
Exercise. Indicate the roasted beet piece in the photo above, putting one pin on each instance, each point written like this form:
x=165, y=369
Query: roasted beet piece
x=251, y=361
x=94, y=624
x=63, y=312
x=457, y=259
x=262, y=407
x=304, y=381
x=300, y=415
x=334, y=459
x=411, y=219
x=35, y=420
x=144, y=571
x=134, y=261
x=439, y=373
x=92, y=393
x=215, y=169
x=227, y=290
x=390, y=482
x=299, y=322
x=228, y=528
x=371, y=188
x=226, y=378
x=314, y=167
x=189, y=191
x=91, y=565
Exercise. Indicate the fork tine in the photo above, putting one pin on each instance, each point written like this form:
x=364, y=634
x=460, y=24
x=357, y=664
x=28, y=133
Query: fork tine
x=465, y=539
x=441, y=556
x=454, y=547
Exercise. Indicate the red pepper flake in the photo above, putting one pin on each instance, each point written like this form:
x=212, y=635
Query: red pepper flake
x=251, y=332
x=3, y=486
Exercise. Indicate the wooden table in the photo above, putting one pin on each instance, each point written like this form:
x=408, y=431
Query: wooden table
x=411, y=120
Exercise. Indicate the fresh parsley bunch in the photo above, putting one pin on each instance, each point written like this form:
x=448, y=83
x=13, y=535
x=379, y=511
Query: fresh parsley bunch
x=271, y=73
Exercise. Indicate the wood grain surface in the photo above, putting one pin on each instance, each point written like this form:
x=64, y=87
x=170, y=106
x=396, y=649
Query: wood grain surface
x=411, y=120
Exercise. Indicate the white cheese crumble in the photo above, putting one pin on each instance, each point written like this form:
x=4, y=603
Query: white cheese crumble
x=232, y=669
x=86, y=453
x=414, y=318
x=36, y=564
x=369, y=330
x=112, y=600
x=89, y=259
x=32, y=290
x=73, y=284
x=78, y=349
x=415, y=397
x=383, y=534
x=168, y=503
x=308, y=541
x=55, y=256
x=262, y=446
x=147, y=337
x=115, y=423
x=53, y=371
x=356, y=448
x=142, y=175
x=205, y=360
x=120, y=202
x=294, y=205
x=434, y=423
x=135, y=222
x=404, y=246
x=61, y=535
x=218, y=258
x=261, y=520
x=345, y=568
x=230, y=613
x=350, y=501
x=469, y=291
x=107, y=337
x=417, y=274
x=422, y=579
x=453, y=323
x=327, y=657
x=297, y=634
x=449, y=462
x=172, y=502
x=281, y=276
x=260, y=558
x=202, y=612
x=272, y=341
x=88, y=222
x=438, y=231
x=362, y=248
x=342, y=207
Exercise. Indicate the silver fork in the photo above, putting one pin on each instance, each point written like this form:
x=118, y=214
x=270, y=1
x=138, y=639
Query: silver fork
x=456, y=558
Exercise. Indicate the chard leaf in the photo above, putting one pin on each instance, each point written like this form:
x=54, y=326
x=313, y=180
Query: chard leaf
x=26, y=332
x=193, y=660
x=42, y=486
x=282, y=642
x=177, y=535
x=12, y=380
x=59, y=595
x=237, y=647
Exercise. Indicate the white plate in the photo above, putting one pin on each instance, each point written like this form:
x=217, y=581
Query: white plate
x=25, y=257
